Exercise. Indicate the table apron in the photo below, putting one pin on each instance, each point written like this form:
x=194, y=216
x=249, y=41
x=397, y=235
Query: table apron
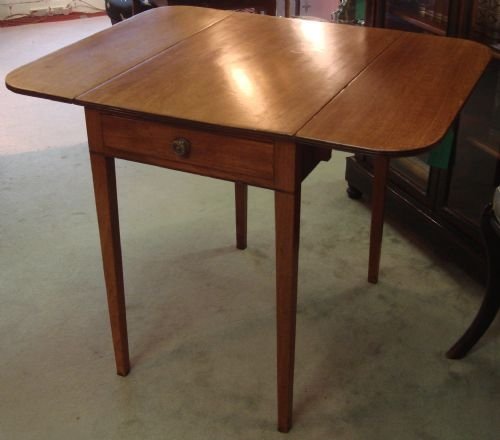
x=255, y=160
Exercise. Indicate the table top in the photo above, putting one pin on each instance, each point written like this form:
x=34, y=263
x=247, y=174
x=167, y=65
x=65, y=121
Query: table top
x=353, y=88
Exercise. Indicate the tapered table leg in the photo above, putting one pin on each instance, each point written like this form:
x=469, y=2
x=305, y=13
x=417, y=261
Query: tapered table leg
x=103, y=173
x=287, y=8
x=380, y=170
x=241, y=199
x=287, y=218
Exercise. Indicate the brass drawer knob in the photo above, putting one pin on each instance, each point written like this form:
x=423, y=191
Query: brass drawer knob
x=181, y=147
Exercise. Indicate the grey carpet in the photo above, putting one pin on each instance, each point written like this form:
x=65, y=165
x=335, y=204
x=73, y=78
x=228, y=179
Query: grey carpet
x=370, y=359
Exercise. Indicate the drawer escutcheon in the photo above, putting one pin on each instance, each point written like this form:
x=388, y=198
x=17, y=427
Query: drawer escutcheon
x=181, y=147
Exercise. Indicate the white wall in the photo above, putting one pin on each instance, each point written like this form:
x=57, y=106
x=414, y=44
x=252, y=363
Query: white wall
x=10, y=8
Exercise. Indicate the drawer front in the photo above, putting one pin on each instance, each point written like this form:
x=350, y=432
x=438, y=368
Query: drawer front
x=184, y=148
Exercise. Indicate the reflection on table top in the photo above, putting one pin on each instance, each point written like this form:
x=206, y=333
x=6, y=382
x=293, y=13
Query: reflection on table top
x=347, y=87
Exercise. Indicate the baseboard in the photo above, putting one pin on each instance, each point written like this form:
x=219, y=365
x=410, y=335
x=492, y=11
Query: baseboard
x=49, y=18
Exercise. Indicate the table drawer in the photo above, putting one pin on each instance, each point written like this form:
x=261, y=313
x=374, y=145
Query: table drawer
x=185, y=148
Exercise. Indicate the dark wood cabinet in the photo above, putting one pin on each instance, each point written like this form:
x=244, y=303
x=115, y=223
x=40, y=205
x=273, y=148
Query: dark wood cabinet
x=440, y=195
x=475, y=19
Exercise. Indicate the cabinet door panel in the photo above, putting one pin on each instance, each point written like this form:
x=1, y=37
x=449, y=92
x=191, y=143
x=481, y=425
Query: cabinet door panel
x=476, y=168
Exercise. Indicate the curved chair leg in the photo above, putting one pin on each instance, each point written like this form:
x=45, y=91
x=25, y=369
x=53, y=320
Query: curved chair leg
x=491, y=302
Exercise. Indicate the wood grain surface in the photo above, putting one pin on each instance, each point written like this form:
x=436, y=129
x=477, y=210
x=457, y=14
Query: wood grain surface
x=346, y=87
x=74, y=69
x=405, y=101
x=250, y=72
